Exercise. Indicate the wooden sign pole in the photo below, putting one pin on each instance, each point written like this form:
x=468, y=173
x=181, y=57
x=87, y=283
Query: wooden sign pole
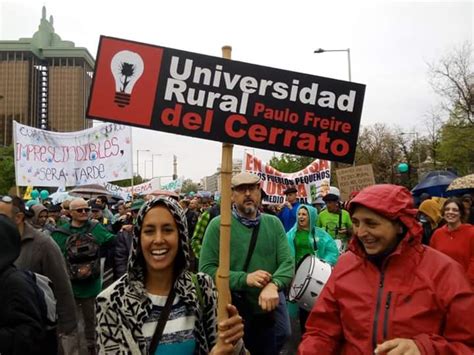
x=222, y=275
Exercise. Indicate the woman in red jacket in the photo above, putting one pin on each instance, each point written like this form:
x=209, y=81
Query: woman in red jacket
x=390, y=294
x=456, y=239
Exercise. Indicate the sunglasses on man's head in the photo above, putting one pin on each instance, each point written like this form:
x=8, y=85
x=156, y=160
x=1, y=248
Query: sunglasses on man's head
x=6, y=199
x=82, y=210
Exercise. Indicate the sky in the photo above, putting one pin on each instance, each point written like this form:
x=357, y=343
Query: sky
x=391, y=44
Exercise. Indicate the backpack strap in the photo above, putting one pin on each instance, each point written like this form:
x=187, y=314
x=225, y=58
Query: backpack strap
x=62, y=230
x=91, y=226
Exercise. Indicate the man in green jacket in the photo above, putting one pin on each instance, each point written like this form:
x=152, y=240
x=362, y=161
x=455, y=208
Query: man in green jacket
x=85, y=291
x=269, y=270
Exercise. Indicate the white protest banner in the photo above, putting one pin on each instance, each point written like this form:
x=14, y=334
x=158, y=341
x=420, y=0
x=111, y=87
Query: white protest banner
x=94, y=155
x=144, y=188
x=140, y=189
x=118, y=191
x=173, y=185
x=354, y=179
x=310, y=182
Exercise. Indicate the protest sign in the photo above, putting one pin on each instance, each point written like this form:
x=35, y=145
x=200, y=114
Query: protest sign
x=354, y=179
x=173, y=185
x=142, y=189
x=310, y=182
x=145, y=188
x=94, y=155
x=214, y=98
x=118, y=191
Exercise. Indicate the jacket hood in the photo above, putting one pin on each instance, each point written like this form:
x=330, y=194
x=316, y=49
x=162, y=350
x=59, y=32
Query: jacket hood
x=313, y=219
x=136, y=264
x=432, y=209
x=391, y=201
x=313, y=216
x=10, y=242
x=394, y=203
x=313, y=231
x=37, y=209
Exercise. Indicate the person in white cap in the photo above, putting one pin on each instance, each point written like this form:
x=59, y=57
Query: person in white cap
x=258, y=274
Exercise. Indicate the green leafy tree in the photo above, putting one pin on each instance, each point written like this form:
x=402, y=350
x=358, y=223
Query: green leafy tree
x=137, y=179
x=414, y=152
x=379, y=145
x=189, y=186
x=288, y=163
x=7, y=169
x=456, y=149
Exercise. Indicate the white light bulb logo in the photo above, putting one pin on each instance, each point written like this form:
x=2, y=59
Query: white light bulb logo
x=127, y=67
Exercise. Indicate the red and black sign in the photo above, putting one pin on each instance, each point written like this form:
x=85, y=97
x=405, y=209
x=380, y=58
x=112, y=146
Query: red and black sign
x=224, y=100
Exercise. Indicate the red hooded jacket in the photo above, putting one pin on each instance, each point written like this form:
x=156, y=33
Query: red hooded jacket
x=419, y=293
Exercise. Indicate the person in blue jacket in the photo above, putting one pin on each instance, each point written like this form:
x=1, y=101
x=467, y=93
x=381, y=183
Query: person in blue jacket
x=287, y=214
x=305, y=238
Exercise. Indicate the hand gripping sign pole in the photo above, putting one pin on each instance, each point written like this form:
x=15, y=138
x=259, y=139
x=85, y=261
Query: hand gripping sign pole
x=222, y=275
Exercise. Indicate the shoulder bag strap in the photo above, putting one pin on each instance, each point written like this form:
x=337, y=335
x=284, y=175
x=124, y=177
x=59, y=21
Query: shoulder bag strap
x=155, y=340
x=253, y=241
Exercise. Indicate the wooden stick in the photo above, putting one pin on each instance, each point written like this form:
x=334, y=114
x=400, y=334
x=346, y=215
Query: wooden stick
x=222, y=275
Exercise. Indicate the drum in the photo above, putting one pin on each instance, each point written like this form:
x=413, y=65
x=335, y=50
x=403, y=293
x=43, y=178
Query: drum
x=308, y=283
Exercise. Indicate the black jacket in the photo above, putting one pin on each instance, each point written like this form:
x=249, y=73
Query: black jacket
x=123, y=246
x=39, y=253
x=21, y=327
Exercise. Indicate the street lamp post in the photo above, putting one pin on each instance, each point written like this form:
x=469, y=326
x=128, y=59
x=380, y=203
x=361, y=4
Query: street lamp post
x=148, y=161
x=153, y=164
x=138, y=159
x=417, y=142
x=348, y=50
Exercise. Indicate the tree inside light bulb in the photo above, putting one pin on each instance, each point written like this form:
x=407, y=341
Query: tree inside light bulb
x=127, y=67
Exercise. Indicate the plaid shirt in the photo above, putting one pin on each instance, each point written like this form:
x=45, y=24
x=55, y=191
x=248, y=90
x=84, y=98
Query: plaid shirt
x=198, y=235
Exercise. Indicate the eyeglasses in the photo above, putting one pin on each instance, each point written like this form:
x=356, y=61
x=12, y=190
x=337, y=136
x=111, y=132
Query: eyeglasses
x=6, y=199
x=82, y=210
x=243, y=188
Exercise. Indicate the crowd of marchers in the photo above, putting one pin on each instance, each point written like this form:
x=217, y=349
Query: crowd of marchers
x=139, y=277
